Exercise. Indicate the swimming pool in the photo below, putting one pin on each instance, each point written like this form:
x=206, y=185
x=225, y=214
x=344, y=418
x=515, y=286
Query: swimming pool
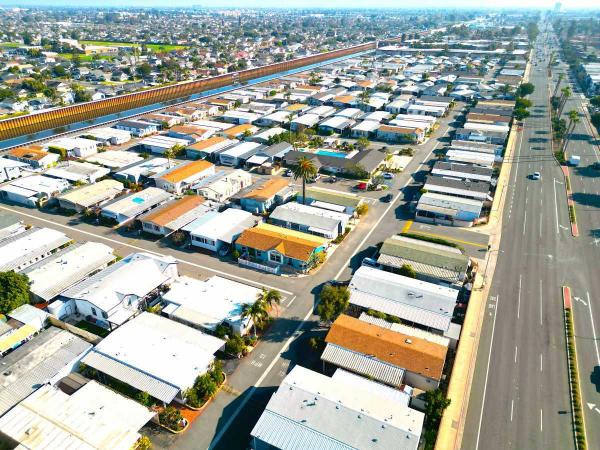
x=328, y=153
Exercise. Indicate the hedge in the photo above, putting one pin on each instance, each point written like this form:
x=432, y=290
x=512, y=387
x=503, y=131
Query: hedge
x=574, y=379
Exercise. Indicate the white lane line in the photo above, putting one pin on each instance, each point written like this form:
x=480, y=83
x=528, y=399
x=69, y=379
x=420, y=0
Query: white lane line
x=487, y=372
x=541, y=362
x=524, y=223
x=135, y=247
x=555, y=205
x=516, y=351
x=291, y=301
x=593, y=328
x=512, y=408
x=541, y=420
x=519, y=298
x=541, y=303
x=541, y=221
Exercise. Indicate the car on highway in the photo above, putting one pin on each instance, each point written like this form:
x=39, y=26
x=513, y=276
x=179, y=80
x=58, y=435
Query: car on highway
x=388, y=176
x=536, y=176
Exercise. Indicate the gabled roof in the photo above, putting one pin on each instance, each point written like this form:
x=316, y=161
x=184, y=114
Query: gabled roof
x=409, y=352
x=165, y=214
x=269, y=189
x=183, y=171
x=290, y=243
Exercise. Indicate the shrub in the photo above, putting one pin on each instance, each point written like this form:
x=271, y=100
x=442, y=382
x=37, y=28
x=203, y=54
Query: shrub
x=377, y=314
x=144, y=398
x=362, y=209
x=205, y=387
x=235, y=255
x=171, y=417
x=235, y=345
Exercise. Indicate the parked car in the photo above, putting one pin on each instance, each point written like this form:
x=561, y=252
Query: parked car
x=387, y=198
x=388, y=176
x=370, y=262
x=288, y=173
x=331, y=179
x=360, y=187
x=536, y=176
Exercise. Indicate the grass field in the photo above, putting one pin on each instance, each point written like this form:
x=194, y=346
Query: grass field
x=154, y=47
x=95, y=329
x=83, y=58
x=10, y=44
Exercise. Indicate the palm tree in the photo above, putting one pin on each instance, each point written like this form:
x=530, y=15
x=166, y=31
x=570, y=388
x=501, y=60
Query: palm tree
x=271, y=298
x=364, y=97
x=505, y=89
x=256, y=312
x=169, y=154
x=304, y=169
x=565, y=94
x=573, y=121
x=560, y=77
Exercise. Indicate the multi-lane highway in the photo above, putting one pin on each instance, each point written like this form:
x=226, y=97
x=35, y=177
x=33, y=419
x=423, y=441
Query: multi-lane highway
x=520, y=396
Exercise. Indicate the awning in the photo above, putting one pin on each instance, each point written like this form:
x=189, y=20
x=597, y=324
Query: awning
x=257, y=160
x=437, y=209
x=329, y=206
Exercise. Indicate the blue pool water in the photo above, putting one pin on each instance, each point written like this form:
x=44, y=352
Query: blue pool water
x=138, y=200
x=327, y=153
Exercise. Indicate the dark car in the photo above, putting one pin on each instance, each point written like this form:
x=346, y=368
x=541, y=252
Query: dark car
x=387, y=198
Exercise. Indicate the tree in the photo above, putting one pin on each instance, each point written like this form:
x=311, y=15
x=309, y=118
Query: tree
x=573, y=121
x=595, y=101
x=171, y=418
x=560, y=77
x=144, y=70
x=363, y=143
x=364, y=97
x=435, y=404
x=408, y=271
x=306, y=170
x=505, y=89
x=235, y=345
x=270, y=297
x=525, y=89
x=520, y=113
x=256, y=312
x=565, y=94
x=14, y=291
x=143, y=443
x=333, y=301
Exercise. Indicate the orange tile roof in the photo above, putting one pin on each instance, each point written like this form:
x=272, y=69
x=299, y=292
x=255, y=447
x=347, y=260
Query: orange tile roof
x=188, y=129
x=167, y=213
x=265, y=238
x=33, y=152
x=239, y=129
x=344, y=99
x=409, y=352
x=402, y=130
x=184, y=171
x=214, y=140
x=268, y=189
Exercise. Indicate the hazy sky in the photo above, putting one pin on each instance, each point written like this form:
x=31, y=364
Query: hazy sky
x=316, y=3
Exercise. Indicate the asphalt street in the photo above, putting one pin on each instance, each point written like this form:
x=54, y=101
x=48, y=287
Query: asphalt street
x=520, y=396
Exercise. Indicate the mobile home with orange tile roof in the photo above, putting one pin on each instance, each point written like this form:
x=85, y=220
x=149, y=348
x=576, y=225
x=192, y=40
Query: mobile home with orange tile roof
x=179, y=178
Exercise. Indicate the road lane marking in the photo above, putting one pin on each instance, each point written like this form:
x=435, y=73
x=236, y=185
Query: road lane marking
x=512, y=407
x=516, y=351
x=487, y=372
x=541, y=303
x=519, y=298
x=407, y=226
x=541, y=221
x=524, y=222
x=541, y=362
x=555, y=205
x=593, y=328
x=541, y=420
x=291, y=301
x=141, y=249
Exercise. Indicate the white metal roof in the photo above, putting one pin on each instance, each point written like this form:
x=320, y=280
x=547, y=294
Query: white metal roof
x=52, y=275
x=40, y=184
x=94, y=418
x=414, y=300
x=160, y=348
x=312, y=411
x=138, y=202
x=221, y=225
x=240, y=149
x=215, y=300
x=115, y=158
x=371, y=389
x=27, y=247
x=93, y=194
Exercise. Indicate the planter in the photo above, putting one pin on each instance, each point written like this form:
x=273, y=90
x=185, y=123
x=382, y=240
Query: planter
x=185, y=427
x=206, y=403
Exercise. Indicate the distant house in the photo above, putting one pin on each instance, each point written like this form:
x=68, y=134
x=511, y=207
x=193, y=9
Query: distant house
x=445, y=209
x=309, y=219
x=357, y=163
x=489, y=137
x=222, y=185
x=90, y=196
x=142, y=171
x=432, y=262
x=137, y=128
x=174, y=215
x=216, y=230
x=336, y=124
x=238, y=154
x=34, y=156
x=209, y=148
x=77, y=147
x=124, y=209
x=11, y=169
x=271, y=248
x=33, y=191
x=265, y=197
x=210, y=303
x=393, y=133
x=383, y=354
x=331, y=200
x=467, y=188
x=78, y=172
x=116, y=294
x=179, y=178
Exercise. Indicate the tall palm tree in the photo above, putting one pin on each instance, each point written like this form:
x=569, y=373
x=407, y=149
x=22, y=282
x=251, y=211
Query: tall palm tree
x=565, y=94
x=304, y=169
x=271, y=298
x=560, y=77
x=573, y=121
x=505, y=89
x=364, y=97
x=256, y=312
x=169, y=154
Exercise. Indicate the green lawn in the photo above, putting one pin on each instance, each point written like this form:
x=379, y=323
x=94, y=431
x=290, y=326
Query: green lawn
x=10, y=44
x=154, y=47
x=95, y=329
x=84, y=58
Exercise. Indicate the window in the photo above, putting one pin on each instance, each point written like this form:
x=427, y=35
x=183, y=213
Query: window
x=275, y=257
x=94, y=311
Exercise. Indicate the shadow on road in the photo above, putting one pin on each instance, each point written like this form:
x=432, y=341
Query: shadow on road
x=595, y=378
x=587, y=171
x=587, y=199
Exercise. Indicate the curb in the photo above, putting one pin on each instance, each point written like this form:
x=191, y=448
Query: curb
x=570, y=202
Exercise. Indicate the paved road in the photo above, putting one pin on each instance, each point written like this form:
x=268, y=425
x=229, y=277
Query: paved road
x=583, y=277
x=227, y=421
x=519, y=397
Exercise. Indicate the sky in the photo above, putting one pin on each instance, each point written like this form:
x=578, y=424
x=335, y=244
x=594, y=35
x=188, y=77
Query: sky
x=567, y=4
